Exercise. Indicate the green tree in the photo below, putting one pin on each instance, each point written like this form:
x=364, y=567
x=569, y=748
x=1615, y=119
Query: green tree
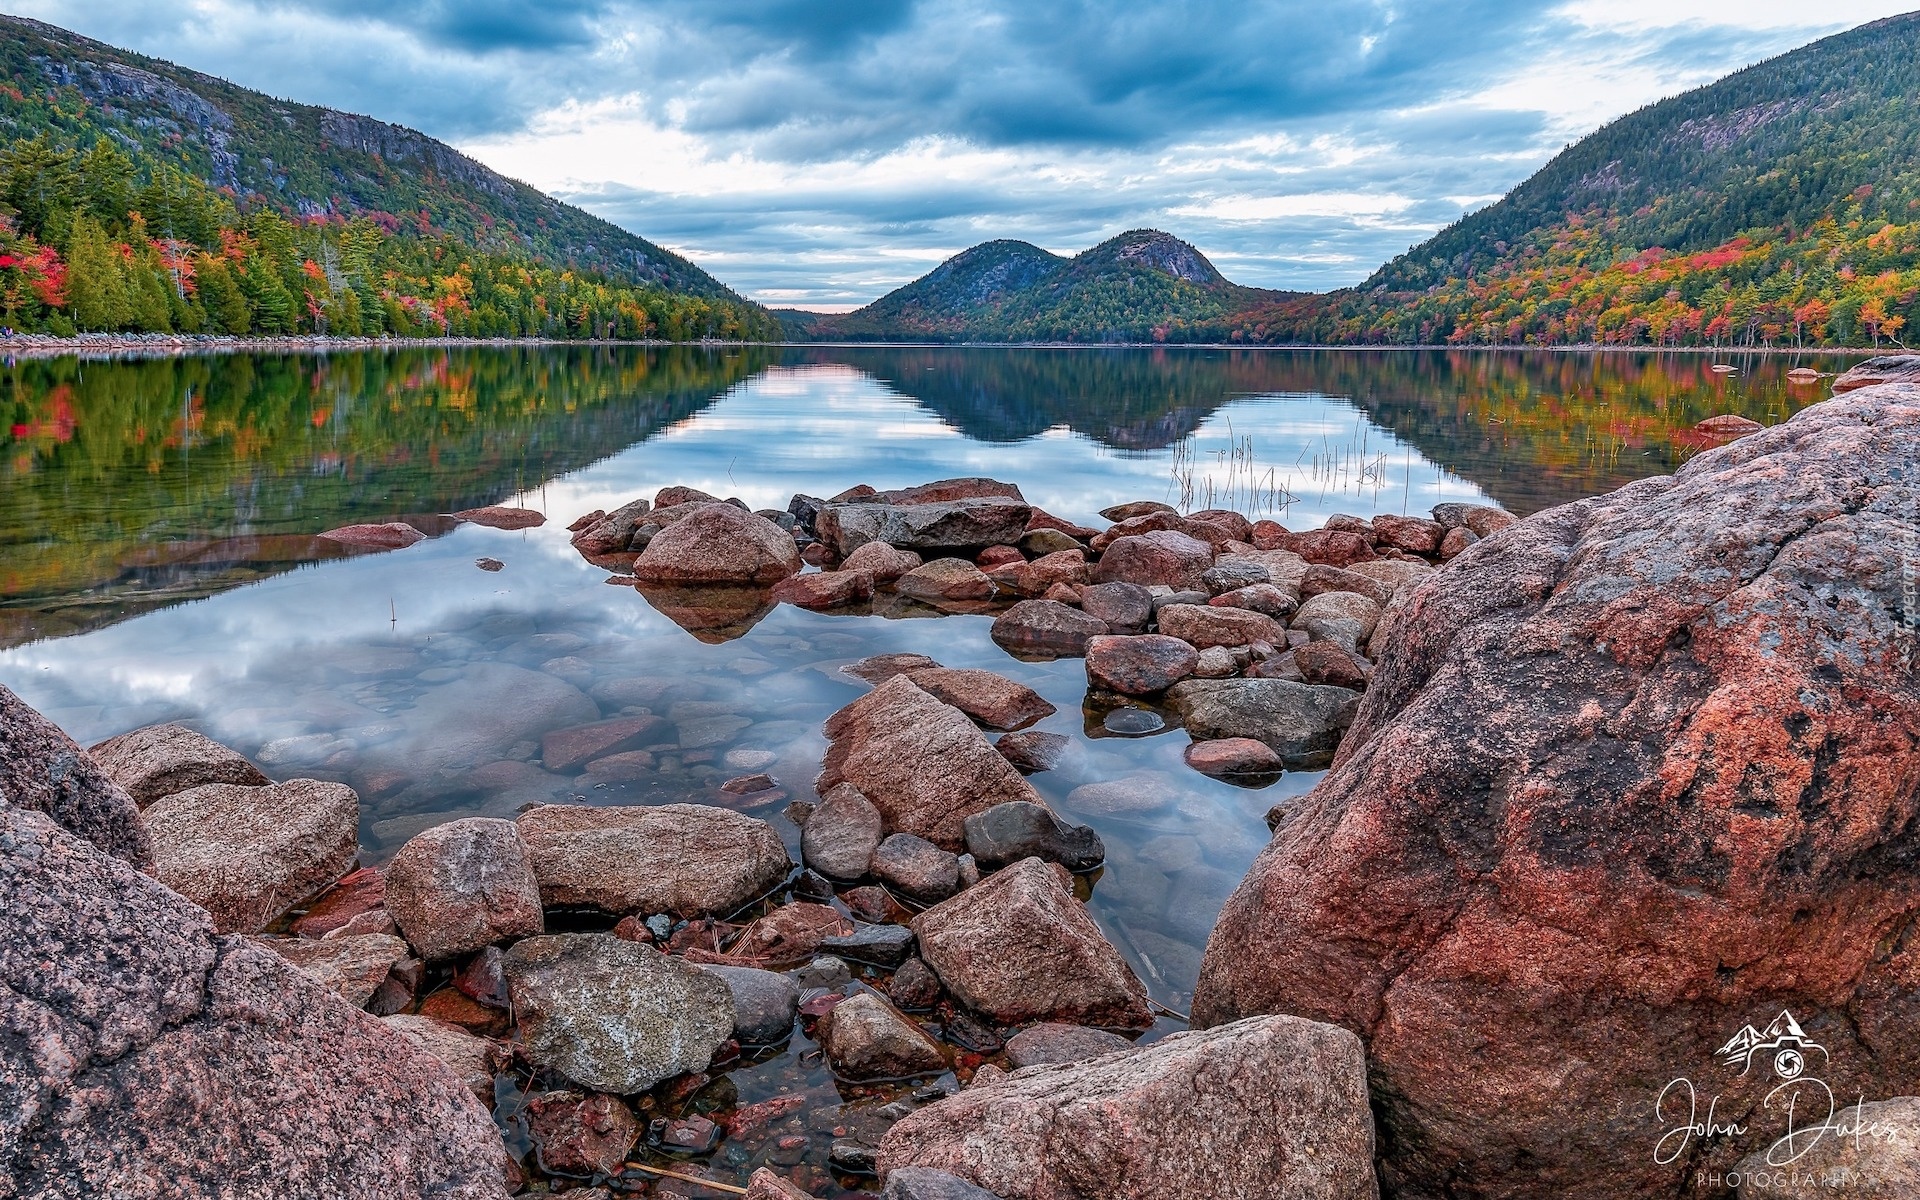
x=96, y=283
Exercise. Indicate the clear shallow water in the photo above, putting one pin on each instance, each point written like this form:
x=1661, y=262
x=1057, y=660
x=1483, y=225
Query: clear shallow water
x=156, y=522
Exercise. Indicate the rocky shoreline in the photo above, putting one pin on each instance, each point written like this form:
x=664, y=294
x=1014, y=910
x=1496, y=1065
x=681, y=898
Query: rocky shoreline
x=1545, y=736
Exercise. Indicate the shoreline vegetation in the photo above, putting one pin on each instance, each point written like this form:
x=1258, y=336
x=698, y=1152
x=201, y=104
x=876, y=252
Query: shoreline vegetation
x=37, y=345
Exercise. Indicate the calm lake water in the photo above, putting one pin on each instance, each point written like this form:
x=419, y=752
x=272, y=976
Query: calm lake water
x=157, y=563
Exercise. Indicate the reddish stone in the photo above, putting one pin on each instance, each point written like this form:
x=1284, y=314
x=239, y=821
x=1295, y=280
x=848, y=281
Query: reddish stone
x=674, y=496
x=461, y=886
x=1062, y=593
x=1205, y=625
x=1046, y=520
x=393, y=535
x=456, y=1008
x=1456, y=541
x=878, y=668
x=494, y=516
x=1417, y=535
x=824, y=589
x=1045, y=627
x=993, y=700
x=361, y=892
x=746, y=785
x=1728, y=426
x=1234, y=756
x=1269, y=535
x=718, y=544
x=44, y=770
x=1328, y=662
x=1887, y=368
x=884, y=562
x=566, y=750
x=945, y=490
x=945, y=579
x=1334, y=547
x=1321, y=578
x=581, y=1134
x=1640, y=779
x=1164, y=557
x=1139, y=665
x=791, y=933
x=994, y=556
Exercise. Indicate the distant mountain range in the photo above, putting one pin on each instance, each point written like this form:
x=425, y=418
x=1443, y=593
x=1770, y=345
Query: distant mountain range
x=297, y=207
x=1778, y=206
x=1142, y=286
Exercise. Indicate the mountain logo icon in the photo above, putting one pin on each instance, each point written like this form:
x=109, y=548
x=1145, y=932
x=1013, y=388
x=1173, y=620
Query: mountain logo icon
x=1782, y=1038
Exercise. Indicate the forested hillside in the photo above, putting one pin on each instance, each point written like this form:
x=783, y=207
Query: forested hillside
x=1142, y=286
x=1778, y=206
x=136, y=195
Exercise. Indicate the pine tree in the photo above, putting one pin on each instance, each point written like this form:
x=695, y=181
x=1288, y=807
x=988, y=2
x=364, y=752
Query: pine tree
x=96, y=283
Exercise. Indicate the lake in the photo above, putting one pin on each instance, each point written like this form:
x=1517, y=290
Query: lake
x=157, y=560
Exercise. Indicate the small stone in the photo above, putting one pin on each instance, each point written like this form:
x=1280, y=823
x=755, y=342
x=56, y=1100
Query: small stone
x=1216, y=662
x=825, y=589
x=1456, y=541
x=852, y=1158
x=685, y=859
x=746, y=785
x=1044, y=627
x=924, y=1183
x=473, y=1059
x=494, y=564
x=870, y=904
x=879, y=945
x=391, y=535
x=885, y=563
x=764, y=1004
x=765, y=1185
x=565, y=750
x=914, y=986
x=1137, y=508
x=993, y=700
x=878, y=668
x=355, y=895
x=945, y=579
x=351, y=967
x=1140, y=665
x=792, y=932
x=484, y=979
x=1033, y=750
x=1051, y=1042
x=1133, y=722
x=1328, y=662
x=578, y=1134
x=866, y=1039
x=824, y=972
x=916, y=868
x=497, y=516
x=839, y=839
x=1206, y=625
x=994, y=556
x=1007, y=833
x=1234, y=756
x=1125, y=607
x=1164, y=556
x=461, y=886
x=1230, y=574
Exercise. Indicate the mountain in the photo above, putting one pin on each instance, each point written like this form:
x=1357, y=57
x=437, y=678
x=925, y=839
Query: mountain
x=97, y=134
x=1780, y=205
x=1141, y=286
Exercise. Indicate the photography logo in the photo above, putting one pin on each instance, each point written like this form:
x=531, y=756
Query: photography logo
x=1798, y=1112
x=1783, y=1039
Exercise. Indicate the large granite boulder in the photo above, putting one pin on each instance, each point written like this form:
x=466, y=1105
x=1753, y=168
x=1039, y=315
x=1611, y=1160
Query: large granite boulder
x=613, y=1015
x=718, y=544
x=922, y=763
x=1018, y=946
x=685, y=859
x=148, y=1058
x=1887, y=368
x=1264, y=1108
x=944, y=525
x=163, y=759
x=43, y=769
x=248, y=854
x=1636, y=776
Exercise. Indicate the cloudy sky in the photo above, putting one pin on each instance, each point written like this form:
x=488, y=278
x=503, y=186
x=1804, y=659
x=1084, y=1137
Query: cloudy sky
x=821, y=152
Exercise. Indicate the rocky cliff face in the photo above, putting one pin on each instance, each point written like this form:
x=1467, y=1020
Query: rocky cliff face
x=1637, y=773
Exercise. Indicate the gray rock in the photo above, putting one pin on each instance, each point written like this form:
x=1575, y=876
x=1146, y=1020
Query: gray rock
x=249, y=854
x=1231, y=574
x=163, y=759
x=839, y=839
x=914, y=986
x=865, y=1039
x=826, y=972
x=924, y=1183
x=916, y=868
x=1034, y=750
x=612, y=1015
x=1007, y=833
x=880, y=945
x=44, y=770
x=952, y=524
x=764, y=1004
x=1303, y=723
x=461, y=886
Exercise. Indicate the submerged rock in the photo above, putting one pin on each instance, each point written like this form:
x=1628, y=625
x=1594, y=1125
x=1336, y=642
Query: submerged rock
x=1007, y=833
x=163, y=759
x=764, y=1003
x=581, y=1134
x=685, y=859
x=44, y=770
x=1269, y=1107
x=1033, y=750
x=922, y=764
x=390, y=535
x=612, y=1015
x=249, y=854
x=462, y=886
x=1019, y=947
x=1676, y=720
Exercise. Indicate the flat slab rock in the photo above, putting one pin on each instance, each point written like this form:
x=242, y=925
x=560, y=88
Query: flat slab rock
x=1302, y=723
x=1018, y=947
x=685, y=859
x=161, y=1061
x=43, y=769
x=1267, y=1107
x=613, y=1015
x=163, y=759
x=249, y=854
x=921, y=763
